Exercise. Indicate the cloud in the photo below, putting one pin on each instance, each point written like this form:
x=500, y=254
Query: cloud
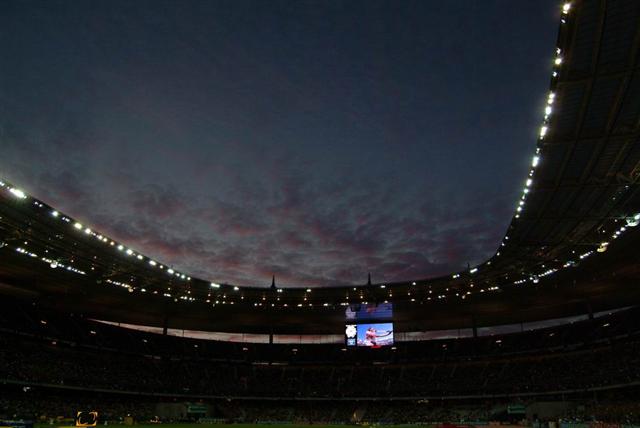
x=234, y=152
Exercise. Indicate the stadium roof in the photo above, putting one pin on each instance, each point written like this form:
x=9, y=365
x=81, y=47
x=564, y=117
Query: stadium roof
x=567, y=247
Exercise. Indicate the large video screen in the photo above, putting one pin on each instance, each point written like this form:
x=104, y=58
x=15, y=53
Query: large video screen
x=369, y=312
x=369, y=335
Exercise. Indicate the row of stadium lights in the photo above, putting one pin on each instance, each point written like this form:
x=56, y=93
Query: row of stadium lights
x=630, y=221
x=537, y=158
x=535, y=162
x=122, y=248
x=130, y=288
x=78, y=226
x=54, y=264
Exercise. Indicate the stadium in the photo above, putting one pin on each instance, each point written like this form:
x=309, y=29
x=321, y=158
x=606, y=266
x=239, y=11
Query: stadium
x=545, y=332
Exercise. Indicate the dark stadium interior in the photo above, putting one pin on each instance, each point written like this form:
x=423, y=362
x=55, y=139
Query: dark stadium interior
x=54, y=354
x=551, y=317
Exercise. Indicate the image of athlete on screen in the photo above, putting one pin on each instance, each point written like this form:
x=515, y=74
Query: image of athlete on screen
x=375, y=335
x=370, y=337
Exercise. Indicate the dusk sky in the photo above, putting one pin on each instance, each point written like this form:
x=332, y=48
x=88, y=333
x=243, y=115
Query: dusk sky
x=313, y=140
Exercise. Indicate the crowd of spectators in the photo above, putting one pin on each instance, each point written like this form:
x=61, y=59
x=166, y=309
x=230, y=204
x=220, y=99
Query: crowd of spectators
x=54, y=407
x=63, y=352
x=33, y=360
x=60, y=408
x=74, y=329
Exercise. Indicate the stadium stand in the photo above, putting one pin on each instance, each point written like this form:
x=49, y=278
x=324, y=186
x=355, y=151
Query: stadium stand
x=65, y=353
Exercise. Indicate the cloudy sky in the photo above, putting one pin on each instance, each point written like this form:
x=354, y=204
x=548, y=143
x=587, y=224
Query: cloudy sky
x=313, y=140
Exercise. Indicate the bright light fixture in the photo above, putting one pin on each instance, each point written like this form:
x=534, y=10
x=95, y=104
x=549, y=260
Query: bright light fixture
x=17, y=193
x=543, y=131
